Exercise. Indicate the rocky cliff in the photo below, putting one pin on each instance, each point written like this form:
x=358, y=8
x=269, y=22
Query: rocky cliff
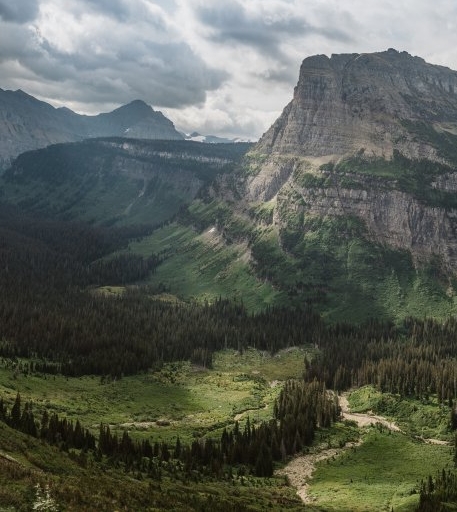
x=369, y=136
x=348, y=102
x=27, y=123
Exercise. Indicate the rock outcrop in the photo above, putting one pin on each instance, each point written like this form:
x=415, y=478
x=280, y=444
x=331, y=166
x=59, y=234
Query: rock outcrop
x=348, y=102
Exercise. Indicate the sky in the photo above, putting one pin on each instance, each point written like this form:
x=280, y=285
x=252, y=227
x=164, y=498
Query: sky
x=221, y=67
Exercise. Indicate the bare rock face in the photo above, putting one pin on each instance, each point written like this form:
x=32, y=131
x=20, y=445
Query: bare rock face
x=391, y=216
x=348, y=102
x=369, y=109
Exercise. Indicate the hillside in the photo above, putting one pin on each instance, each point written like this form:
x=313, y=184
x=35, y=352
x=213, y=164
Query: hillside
x=116, y=181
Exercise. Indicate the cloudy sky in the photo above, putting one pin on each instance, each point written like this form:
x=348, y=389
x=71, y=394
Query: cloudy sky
x=225, y=67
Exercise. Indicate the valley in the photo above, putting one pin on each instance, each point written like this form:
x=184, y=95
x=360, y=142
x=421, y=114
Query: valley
x=195, y=326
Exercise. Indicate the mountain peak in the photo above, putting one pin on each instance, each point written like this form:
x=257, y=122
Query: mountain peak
x=27, y=123
x=353, y=101
x=138, y=106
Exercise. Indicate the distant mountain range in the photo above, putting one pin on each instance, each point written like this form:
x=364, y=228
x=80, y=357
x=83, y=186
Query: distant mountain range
x=213, y=139
x=27, y=123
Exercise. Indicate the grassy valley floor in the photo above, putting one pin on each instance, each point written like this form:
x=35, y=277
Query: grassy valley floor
x=355, y=468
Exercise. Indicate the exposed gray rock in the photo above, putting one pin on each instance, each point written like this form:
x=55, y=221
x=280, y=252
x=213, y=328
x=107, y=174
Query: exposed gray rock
x=353, y=101
x=370, y=105
x=391, y=216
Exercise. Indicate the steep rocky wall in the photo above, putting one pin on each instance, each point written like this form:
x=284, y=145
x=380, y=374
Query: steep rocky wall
x=392, y=217
x=348, y=102
x=376, y=105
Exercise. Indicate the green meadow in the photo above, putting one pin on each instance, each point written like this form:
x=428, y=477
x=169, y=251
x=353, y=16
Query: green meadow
x=179, y=399
x=382, y=474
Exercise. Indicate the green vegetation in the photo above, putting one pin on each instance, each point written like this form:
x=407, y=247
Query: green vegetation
x=444, y=141
x=39, y=469
x=116, y=182
x=254, y=162
x=412, y=176
x=129, y=332
x=213, y=249
x=383, y=473
x=29, y=468
x=204, y=267
x=263, y=212
x=425, y=418
x=326, y=262
x=179, y=399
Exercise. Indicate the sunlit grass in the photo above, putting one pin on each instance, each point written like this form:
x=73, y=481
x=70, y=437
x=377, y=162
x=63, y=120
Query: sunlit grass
x=381, y=474
x=180, y=399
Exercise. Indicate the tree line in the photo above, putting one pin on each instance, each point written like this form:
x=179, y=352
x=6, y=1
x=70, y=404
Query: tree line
x=415, y=359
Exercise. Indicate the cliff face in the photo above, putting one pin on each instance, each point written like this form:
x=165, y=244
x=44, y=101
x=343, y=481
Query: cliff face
x=348, y=102
x=372, y=137
x=391, y=216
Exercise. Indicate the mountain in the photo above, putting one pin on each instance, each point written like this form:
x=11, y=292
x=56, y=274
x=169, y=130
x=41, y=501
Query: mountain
x=351, y=102
x=378, y=135
x=348, y=201
x=27, y=123
x=360, y=172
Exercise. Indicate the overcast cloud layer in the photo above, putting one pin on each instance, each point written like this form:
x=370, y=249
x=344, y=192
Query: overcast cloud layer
x=226, y=68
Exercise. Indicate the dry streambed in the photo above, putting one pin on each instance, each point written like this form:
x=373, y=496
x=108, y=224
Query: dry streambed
x=299, y=471
x=364, y=419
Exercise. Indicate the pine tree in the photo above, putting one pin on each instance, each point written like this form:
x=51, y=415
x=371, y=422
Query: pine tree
x=15, y=416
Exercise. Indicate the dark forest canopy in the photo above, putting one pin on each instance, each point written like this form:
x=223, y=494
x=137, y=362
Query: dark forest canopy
x=49, y=313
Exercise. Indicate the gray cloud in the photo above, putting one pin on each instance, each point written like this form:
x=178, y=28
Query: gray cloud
x=165, y=75
x=232, y=22
x=114, y=8
x=216, y=67
x=19, y=11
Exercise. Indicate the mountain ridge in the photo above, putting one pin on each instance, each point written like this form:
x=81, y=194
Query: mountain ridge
x=357, y=226
x=27, y=123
